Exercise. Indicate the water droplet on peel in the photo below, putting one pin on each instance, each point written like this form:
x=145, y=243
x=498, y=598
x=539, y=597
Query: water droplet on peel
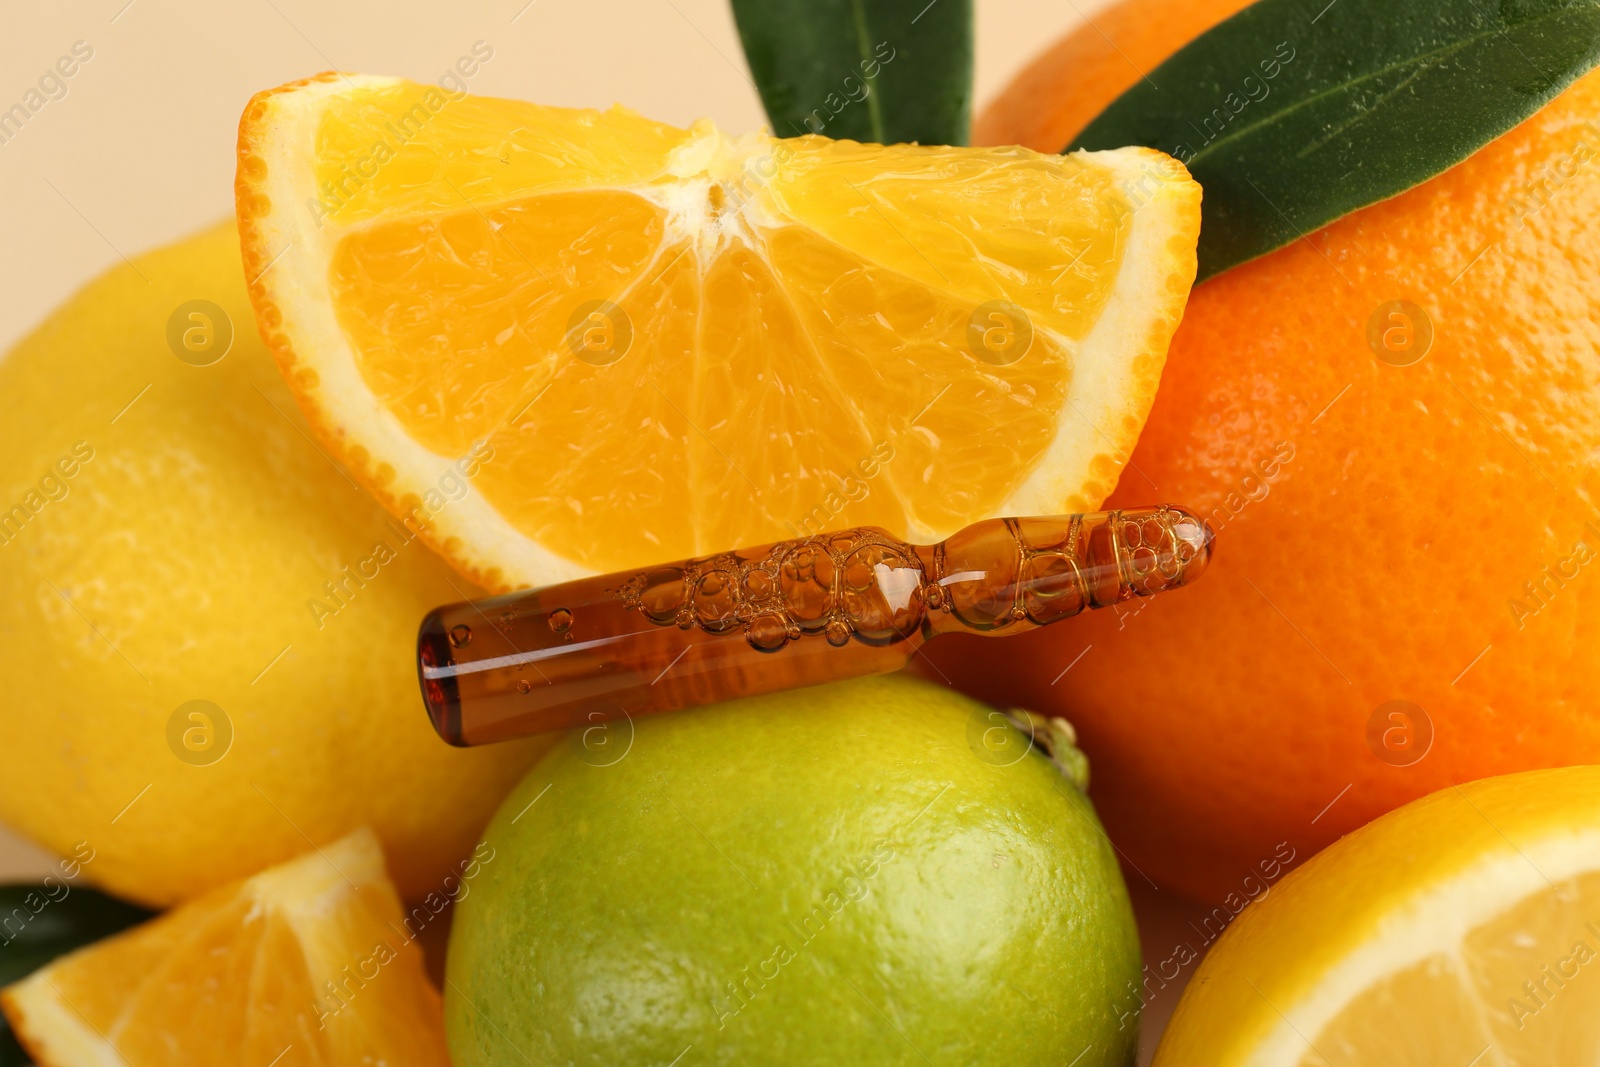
x=460, y=636
x=560, y=620
x=838, y=633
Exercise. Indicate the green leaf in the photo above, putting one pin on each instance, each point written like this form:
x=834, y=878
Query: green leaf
x=883, y=71
x=39, y=923
x=11, y=1053
x=1294, y=113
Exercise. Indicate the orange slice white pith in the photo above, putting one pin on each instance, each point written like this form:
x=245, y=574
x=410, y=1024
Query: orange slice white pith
x=562, y=342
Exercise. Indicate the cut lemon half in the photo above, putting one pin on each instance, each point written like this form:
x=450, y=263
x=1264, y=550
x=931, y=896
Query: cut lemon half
x=560, y=342
x=1461, y=929
x=305, y=965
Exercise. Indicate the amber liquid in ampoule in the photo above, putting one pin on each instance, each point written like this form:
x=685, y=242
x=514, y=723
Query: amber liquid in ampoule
x=779, y=616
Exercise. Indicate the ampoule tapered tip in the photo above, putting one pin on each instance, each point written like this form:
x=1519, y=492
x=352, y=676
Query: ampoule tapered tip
x=1195, y=539
x=1158, y=549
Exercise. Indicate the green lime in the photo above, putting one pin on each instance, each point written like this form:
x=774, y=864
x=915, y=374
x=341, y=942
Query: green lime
x=873, y=872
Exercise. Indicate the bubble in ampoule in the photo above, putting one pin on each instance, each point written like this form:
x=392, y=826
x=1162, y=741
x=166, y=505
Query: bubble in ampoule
x=661, y=595
x=767, y=633
x=560, y=620
x=460, y=636
x=524, y=686
x=715, y=601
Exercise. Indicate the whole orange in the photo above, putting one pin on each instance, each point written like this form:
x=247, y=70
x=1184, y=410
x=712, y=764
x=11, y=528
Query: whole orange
x=1072, y=81
x=1406, y=591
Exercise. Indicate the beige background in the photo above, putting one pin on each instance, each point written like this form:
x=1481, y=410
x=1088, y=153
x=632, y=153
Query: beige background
x=140, y=149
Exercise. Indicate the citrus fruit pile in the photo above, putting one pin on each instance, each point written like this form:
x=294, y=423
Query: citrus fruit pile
x=602, y=317
x=454, y=344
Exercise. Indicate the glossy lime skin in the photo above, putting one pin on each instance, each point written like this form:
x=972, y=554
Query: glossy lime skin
x=847, y=874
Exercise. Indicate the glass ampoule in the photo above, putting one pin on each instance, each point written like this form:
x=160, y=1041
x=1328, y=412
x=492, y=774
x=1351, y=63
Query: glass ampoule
x=779, y=616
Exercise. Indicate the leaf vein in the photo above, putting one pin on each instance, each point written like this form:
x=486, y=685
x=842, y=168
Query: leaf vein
x=1345, y=87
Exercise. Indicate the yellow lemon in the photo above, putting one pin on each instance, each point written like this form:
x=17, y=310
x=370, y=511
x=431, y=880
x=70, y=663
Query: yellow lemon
x=206, y=629
x=1463, y=928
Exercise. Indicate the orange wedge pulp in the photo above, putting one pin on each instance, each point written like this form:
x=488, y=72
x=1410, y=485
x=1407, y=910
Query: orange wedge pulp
x=557, y=342
x=304, y=965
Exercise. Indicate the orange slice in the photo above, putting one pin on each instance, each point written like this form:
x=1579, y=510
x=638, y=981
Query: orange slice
x=557, y=342
x=304, y=965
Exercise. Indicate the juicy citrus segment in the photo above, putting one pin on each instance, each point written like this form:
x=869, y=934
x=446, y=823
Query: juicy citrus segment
x=1483, y=1000
x=761, y=334
x=635, y=342
x=393, y=148
x=1550, y=942
x=1044, y=232
x=1510, y=993
x=1423, y=1014
x=957, y=421
x=1463, y=928
x=305, y=964
x=454, y=317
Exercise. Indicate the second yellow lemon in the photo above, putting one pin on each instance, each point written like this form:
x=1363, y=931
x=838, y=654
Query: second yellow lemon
x=206, y=629
x=1461, y=929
